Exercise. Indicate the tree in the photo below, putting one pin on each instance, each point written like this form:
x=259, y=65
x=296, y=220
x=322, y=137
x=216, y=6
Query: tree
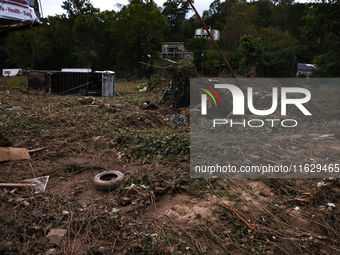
x=79, y=7
x=189, y=27
x=21, y=47
x=273, y=39
x=174, y=11
x=322, y=34
x=240, y=21
x=55, y=44
x=217, y=14
x=197, y=46
x=252, y=55
x=265, y=9
x=283, y=65
x=137, y=31
x=86, y=33
x=213, y=62
x=4, y=59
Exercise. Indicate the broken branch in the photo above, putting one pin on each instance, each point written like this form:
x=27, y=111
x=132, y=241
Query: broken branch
x=226, y=207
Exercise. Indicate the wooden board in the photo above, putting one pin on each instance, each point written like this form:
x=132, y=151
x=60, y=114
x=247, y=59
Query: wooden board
x=8, y=154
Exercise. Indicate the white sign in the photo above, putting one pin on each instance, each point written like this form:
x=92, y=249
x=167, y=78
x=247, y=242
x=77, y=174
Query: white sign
x=11, y=72
x=16, y=10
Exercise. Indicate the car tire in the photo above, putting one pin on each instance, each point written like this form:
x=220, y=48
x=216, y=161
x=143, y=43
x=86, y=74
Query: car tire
x=108, y=181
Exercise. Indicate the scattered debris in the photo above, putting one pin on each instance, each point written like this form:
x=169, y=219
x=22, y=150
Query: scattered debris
x=56, y=235
x=226, y=207
x=38, y=213
x=108, y=181
x=115, y=210
x=159, y=191
x=178, y=119
x=100, y=143
x=15, y=108
x=52, y=251
x=39, y=183
x=297, y=209
x=305, y=197
x=151, y=107
x=39, y=149
x=21, y=143
x=327, y=135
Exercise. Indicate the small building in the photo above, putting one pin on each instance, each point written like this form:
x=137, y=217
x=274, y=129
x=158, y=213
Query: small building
x=201, y=32
x=305, y=69
x=176, y=50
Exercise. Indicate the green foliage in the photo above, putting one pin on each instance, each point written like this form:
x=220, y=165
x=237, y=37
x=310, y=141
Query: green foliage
x=153, y=146
x=283, y=65
x=327, y=65
x=137, y=32
x=241, y=21
x=79, y=7
x=265, y=9
x=321, y=33
x=197, y=46
x=174, y=11
x=217, y=13
x=213, y=62
x=252, y=54
x=85, y=35
x=274, y=39
x=189, y=26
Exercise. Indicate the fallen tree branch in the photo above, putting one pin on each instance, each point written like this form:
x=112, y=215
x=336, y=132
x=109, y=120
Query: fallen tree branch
x=226, y=207
x=164, y=67
x=36, y=150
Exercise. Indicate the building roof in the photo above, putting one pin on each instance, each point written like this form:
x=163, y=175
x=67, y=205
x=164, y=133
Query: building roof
x=305, y=67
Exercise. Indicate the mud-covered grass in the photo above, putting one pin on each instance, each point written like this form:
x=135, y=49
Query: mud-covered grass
x=158, y=208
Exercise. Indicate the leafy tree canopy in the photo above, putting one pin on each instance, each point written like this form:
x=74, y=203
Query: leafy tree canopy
x=78, y=7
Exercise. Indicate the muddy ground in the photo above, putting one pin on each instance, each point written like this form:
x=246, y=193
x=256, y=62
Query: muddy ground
x=158, y=208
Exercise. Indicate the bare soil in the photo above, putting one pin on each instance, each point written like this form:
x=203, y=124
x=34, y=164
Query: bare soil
x=158, y=208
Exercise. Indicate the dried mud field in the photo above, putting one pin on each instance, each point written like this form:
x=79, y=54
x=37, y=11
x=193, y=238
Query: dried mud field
x=158, y=208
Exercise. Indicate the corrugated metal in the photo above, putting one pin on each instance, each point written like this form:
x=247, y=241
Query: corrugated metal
x=70, y=83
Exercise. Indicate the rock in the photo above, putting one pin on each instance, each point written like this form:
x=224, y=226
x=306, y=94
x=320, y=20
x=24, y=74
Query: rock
x=56, y=235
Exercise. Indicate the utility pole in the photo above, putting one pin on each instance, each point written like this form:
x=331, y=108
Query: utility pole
x=212, y=39
x=202, y=61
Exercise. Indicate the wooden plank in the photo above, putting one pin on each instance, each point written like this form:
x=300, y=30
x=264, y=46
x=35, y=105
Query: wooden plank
x=9, y=154
x=17, y=185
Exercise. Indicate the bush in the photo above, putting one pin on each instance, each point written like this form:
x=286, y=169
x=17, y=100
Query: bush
x=283, y=65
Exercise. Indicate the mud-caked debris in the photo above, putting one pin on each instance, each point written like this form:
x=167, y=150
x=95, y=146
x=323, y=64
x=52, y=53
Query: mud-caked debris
x=178, y=119
x=56, y=235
